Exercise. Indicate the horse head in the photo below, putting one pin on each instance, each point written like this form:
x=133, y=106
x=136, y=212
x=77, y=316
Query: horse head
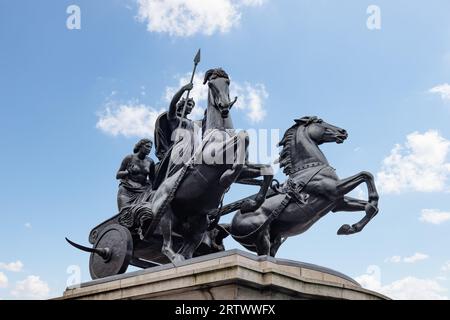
x=300, y=143
x=219, y=92
x=322, y=132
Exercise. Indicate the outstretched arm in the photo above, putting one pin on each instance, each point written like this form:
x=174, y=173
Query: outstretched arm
x=173, y=104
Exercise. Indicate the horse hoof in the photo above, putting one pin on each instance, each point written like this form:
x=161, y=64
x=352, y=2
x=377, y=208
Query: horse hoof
x=345, y=230
x=177, y=258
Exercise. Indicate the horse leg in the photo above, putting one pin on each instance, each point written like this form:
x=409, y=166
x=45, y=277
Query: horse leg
x=166, y=224
x=239, y=158
x=192, y=241
x=346, y=185
x=230, y=176
x=251, y=171
x=350, y=204
x=263, y=242
x=275, y=245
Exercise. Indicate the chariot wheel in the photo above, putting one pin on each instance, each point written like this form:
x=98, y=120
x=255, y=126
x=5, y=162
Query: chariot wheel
x=114, y=249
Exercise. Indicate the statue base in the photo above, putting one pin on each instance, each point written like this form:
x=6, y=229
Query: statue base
x=228, y=275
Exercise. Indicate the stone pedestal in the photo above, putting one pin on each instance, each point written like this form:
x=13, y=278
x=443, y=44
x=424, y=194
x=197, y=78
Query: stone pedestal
x=229, y=275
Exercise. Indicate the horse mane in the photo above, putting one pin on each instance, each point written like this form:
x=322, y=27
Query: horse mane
x=216, y=73
x=285, y=159
x=285, y=154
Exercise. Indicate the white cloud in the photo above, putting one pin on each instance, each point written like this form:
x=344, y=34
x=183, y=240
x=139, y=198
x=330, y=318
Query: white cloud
x=371, y=279
x=31, y=288
x=408, y=288
x=184, y=18
x=415, y=258
x=434, y=216
x=446, y=266
x=12, y=266
x=28, y=225
x=132, y=119
x=443, y=90
x=412, y=259
x=137, y=119
x=3, y=280
x=251, y=97
x=420, y=165
x=394, y=259
x=411, y=288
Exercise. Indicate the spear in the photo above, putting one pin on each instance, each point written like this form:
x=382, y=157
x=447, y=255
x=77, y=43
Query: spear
x=196, y=62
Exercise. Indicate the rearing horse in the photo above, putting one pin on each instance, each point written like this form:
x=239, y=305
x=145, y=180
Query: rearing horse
x=186, y=200
x=312, y=190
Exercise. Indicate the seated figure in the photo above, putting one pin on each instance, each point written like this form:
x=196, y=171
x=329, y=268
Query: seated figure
x=136, y=175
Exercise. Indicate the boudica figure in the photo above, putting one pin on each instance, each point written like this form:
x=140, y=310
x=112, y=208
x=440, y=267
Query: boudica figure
x=173, y=214
x=174, y=135
x=169, y=121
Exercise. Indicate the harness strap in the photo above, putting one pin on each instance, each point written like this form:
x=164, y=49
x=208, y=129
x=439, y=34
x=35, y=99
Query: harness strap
x=293, y=192
x=275, y=213
x=295, y=189
x=307, y=166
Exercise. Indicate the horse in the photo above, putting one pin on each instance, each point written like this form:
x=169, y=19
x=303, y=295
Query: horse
x=187, y=200
x=312, y=190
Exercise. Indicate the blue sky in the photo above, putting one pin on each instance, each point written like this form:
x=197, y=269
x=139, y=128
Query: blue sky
x=74, y=102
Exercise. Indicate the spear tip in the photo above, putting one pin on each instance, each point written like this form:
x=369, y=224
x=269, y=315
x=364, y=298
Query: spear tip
x=197, y=57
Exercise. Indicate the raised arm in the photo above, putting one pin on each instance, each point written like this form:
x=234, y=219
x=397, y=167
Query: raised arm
x=172, y=114
x=123, y=171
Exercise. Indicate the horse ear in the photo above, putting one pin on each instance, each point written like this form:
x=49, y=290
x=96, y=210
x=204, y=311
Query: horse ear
x=303, y=120
x=306, y=120
x=313, y=120
x=223, y=73
x=208, y=75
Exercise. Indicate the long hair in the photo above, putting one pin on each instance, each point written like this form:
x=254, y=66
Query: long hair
x=140, y=143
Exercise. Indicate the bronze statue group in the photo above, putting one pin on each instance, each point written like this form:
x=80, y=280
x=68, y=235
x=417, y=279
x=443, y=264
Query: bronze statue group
x=183, y=197
x=170, y=211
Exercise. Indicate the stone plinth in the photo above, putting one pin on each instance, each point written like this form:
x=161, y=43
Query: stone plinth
x=228, y=275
